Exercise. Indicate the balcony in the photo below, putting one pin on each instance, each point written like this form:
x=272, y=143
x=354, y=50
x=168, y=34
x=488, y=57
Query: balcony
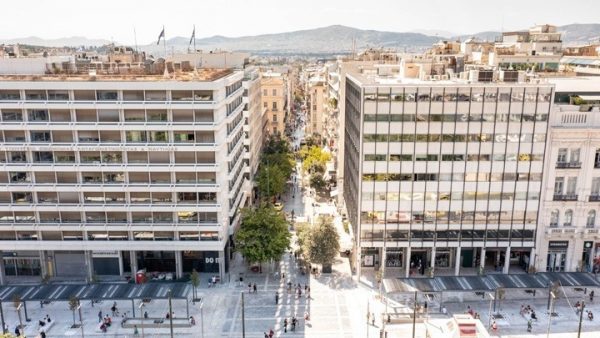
x=594, y=198
x=567, y=197
x=568, y=165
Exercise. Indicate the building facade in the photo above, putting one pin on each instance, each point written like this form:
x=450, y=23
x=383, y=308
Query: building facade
x=443, y=175
x=111, y=174
x=569, y=237
x=274, y=100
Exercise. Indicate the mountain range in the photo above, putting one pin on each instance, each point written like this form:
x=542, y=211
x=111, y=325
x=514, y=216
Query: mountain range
x=330, y=39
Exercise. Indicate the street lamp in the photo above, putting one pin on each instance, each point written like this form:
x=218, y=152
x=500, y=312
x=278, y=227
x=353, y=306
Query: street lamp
x=551, y=308
x=80, y=320
x=141, y=306
x=492, y=298
x=202, y=318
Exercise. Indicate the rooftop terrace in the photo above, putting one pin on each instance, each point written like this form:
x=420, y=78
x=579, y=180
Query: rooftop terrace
x=193, y=75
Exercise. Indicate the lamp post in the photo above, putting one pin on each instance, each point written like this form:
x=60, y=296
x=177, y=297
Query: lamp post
x=80, y=320
x=202, y=318
x=141, y=307
x=580, y=318
x=490, y=312
x=551, y=307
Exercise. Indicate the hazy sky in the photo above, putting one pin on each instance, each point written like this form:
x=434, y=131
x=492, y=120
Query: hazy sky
x=116, y=18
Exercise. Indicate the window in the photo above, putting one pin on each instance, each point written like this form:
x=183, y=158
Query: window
x=265, y=93
x=40, y=136
x=274, y=92
x=274, y=106
x=597, y=159
x=568, y=218
x=562, y=155
x=265, y=105
x=274, y=117
x=575, y=155
x=554, y=218
x=595, y=186
x=274, y=130
x=572, y=186
x=591, y=219
x=559, y=184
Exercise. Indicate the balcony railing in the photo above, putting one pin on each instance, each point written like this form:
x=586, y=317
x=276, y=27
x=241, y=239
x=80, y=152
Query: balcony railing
x=568, y=165
x=594, y=198
x=567, y=197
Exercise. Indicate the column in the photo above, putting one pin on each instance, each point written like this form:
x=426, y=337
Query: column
x=121, y=272
x=2, y=276
x=532, y=259
x=89, y=264
x=497, y=263
x=407, y=262
x=178, y=265
x=482, y=259
x=382, y=265
x=222, y=265
x=457, y=262
x=506, y=261
x=432, y=263
x=133, y=261
x=43, y=263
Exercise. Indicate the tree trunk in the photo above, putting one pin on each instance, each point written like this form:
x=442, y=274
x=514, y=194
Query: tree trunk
x=73, y=317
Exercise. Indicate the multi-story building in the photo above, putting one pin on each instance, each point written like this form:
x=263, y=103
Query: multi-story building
x=256, y=125
x=316, y=92
x=274, y=100
x=114, y=168
x=443, y=174
x=568, y=240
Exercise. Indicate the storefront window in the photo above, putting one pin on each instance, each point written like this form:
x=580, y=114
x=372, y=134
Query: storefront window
x=393, y=260
x=442, y=259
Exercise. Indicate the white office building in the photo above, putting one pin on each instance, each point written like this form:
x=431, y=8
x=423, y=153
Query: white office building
x=443, y=176
x=110, y=170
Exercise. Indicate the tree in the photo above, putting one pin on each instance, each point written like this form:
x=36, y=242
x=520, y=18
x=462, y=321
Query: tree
x=316, y=181
x=323, y=243
x=314, y=159
x=73, y=304
x=271, y=181
x=195, y=281
x=263, y=234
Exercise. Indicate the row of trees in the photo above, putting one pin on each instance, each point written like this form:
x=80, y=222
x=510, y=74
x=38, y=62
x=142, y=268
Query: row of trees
x=276, y=167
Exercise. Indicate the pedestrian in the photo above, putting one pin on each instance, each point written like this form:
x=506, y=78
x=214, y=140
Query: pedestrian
x=266, y=335
x=271, y=333
x=294, y=320
x=305, y=287
x=373, y=319
x=368, y=317
x=289, y=288
x=145, y=314
x=135, y=330
x=591, y=296
x=254, y=287
x=494, y=326
x=285, y=324
x=283, y=276
x=276, y=298
x=42, y=334
x=249, y=287
x=425, y=306
x=100, y=316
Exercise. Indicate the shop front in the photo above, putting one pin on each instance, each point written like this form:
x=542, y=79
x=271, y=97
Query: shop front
x=23, y=263
x=557, y=256
x=106, y=263
x=443, y=258
x=369, y=257
x=394, y=258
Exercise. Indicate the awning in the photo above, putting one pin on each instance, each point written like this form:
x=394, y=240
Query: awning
x=590, y=97
x=491, y=282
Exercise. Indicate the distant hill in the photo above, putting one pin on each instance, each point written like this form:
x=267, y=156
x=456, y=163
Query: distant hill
x=330, y=39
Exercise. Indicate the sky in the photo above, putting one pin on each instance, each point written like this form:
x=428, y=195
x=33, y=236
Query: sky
x=115, y=19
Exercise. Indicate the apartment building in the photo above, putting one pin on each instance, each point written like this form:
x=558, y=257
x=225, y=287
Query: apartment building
x=274, y=100
x=569, y=236
x=316, y=93
x=256, y=125
x=113, y=168
x=443, y=176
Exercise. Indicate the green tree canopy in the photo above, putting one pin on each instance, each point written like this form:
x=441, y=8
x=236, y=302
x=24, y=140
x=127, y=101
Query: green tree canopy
x=271, y=181
x=316, y=181
x=322, y=243
x=263, y=234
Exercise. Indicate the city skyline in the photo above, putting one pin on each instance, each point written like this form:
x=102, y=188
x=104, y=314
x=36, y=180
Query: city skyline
x=148, y=21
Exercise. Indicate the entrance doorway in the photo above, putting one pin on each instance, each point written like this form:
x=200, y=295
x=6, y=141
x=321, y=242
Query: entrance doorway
x=418, y=261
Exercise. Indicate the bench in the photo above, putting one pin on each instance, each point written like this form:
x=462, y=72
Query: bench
x=155, y=322
x=46, y=327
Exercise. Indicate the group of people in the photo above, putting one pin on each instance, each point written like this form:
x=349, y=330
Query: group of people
x=42, y=326
x=527, y=310
x=252, y=288
x=298, y=291
x=579, y=307
x=292, y=322
x=470, y=311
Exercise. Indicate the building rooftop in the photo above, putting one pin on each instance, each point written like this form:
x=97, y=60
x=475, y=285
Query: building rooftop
x=204, y=74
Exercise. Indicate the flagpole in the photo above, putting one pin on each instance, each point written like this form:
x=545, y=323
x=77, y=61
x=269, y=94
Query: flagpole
x=165, y=44
x=194, y=39
x=135, y=39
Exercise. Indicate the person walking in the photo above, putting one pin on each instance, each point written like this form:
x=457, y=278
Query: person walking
x=591, y=296
x=249, y=287
x=276, y=297
x=285, y=324
x=373, y=319
x=100, y=316
x=294, y=320
x=494, y=326
x=254, y=287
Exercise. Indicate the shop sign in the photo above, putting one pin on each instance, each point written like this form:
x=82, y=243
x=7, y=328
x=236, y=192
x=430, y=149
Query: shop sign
x=558, y=244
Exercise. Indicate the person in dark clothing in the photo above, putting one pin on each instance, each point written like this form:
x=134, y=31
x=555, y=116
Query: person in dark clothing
x=254, y=287
x=276, y=298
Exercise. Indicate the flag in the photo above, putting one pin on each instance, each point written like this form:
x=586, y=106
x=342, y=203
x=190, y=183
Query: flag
x=193, y=35
x=161, y=35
